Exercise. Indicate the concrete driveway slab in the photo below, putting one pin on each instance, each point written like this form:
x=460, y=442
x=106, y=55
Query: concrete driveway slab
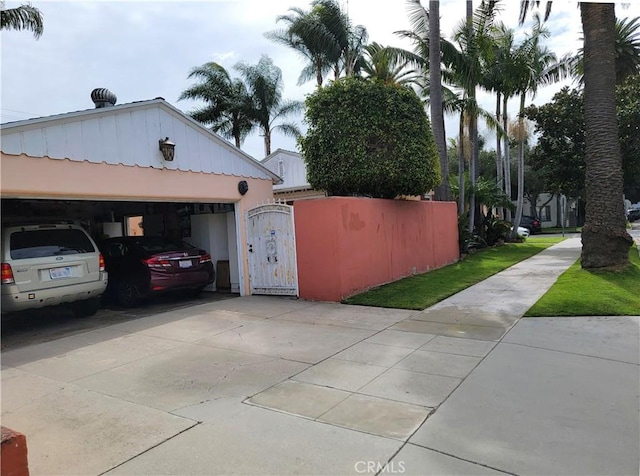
x=377, y=416
x=439, y=363
x=374, y=354
x=32, y=353
x=410, y=340
x=98, y=357
x=534, y=411
x=357, y=317
x=417, y=461
x=187, y=329
x=258, y=441
x=411, y=387
x=288, y=340
x=455, y=345
x=451, y=330
x=21, y=388
x=340, y=374
x=191, y=374
x=612, y=337
x=261, y=306
x=299, y=398
x=76, y=431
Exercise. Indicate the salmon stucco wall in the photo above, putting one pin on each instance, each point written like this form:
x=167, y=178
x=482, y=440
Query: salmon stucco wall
x=346, y=245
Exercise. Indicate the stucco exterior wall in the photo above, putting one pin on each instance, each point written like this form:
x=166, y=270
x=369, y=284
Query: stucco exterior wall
x=346, y=245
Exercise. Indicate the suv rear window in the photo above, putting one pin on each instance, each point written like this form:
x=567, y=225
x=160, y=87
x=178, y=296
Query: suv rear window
x=42, y=243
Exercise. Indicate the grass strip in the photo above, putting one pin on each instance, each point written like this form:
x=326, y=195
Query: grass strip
x=423, y=290
x=580, y=292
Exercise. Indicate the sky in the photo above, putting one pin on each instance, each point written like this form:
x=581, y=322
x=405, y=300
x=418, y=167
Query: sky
x=144, y=49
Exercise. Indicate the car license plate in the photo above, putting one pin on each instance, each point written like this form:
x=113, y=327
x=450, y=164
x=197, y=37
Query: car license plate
x=185, y=263
x=57, y=273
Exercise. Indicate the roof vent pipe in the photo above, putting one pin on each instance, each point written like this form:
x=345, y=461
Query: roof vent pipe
x=102, y=97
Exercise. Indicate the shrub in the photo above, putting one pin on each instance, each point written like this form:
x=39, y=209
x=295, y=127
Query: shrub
x=369, y=138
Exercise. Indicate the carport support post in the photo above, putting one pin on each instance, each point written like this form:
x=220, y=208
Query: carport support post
x=241, y=243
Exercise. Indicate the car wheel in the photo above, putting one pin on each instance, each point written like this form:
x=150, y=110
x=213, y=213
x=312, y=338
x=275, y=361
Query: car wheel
x=127, y=294
x=86, y=308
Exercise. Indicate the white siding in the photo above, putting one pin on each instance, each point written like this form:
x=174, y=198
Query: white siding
x=293, y=171
x=129, y=135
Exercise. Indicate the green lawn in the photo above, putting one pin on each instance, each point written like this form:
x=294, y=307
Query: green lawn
x=424, y=290
x=593, y=293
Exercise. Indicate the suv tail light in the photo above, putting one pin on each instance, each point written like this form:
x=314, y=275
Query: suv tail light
x=101, y=263
x=7, y=274
x=154, y=262
x=205, y=258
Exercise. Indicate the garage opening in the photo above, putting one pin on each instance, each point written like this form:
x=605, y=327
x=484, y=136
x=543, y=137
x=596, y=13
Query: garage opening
x=210, y=226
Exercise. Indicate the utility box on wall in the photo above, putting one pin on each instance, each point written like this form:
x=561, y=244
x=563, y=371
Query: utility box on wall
x=346, y=245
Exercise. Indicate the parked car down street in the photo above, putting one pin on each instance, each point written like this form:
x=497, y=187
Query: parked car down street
x=142, y=266
x=531, y=223
x=523, y=232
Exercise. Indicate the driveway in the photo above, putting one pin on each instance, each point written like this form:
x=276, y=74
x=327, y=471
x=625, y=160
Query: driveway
x=268, y=385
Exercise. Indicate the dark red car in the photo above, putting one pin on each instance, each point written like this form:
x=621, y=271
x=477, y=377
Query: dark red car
x=141, y=266
x=531, y=223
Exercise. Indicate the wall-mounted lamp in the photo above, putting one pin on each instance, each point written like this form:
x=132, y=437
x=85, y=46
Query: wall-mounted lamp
x=243, y=187
x=167, y=148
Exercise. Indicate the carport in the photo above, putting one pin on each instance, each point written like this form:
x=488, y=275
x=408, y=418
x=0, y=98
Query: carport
x=143, y=167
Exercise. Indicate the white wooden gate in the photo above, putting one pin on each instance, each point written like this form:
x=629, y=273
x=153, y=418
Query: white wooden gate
x=272, y=250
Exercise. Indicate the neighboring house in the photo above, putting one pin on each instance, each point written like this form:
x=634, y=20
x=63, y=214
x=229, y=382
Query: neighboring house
x=551, y=209
x=105, y=168
x=290, y=167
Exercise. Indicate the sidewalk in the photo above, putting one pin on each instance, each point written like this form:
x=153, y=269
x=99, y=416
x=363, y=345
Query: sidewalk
x=267, y=385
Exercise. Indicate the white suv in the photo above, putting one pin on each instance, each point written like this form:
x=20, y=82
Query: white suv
x=47, y=265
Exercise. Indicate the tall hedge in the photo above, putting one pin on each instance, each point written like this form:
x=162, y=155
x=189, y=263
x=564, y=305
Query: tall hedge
x=369, y=138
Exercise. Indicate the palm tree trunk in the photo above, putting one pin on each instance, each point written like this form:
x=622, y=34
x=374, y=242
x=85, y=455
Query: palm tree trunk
x=521, y=139
x=507, y=158
x=461, y=180
x=443, y=191
x=319, y=77
x=605, y=241
x=499, y=171
x=473, y=165
x=267, y=142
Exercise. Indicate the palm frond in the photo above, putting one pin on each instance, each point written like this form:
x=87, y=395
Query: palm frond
x=24, y=17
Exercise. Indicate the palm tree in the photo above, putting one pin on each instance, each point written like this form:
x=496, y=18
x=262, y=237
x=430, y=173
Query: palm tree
x=426, y=57
x=346, y=41
x=627, y=51
x=498, y=79
x=306, y=34
x=627, y=48
x=605, y=241
x=227, y=108
x=325, y=36
x=264, y=83
x=387, y=64
x=443, y=191
x=465, y=67
x=24, y=17
x=535, y=65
